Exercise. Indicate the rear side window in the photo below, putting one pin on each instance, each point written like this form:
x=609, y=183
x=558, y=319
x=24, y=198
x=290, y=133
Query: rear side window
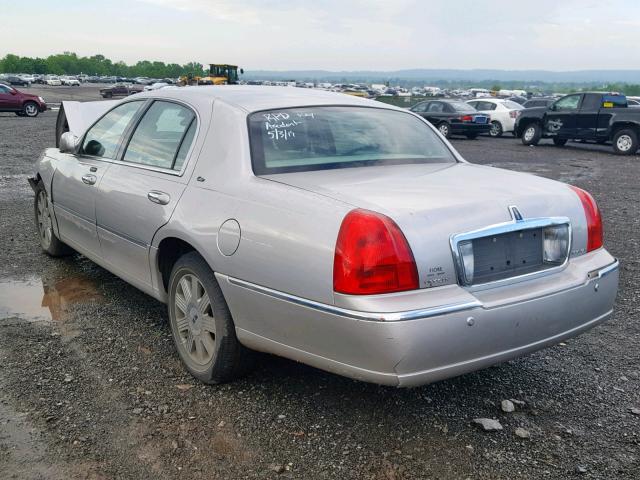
x=163, y=136
x=591, y=102
x=103, y=138
x=420, y=108
x=318, y=138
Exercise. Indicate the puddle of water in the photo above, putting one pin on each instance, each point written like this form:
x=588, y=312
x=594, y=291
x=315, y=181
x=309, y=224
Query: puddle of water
x=38, y=300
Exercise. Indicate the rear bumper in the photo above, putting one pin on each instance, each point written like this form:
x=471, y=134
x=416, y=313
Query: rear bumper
x=469, y=128
x=423, y=345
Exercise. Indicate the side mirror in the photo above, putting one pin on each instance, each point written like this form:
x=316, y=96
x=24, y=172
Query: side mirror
x=68, y=143
x=552, y=107
x=13, y=91
x=242, y=71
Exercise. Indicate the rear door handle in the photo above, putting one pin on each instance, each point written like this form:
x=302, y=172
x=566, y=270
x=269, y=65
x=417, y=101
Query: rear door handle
x=160, y=198
x=89, y=179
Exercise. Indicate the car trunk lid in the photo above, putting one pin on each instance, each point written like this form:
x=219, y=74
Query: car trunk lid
x=433, y=202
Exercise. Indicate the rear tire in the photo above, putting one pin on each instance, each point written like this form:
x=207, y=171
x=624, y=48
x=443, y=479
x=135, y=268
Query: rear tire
x=445, y=129
x=30, y=109
x=625, y=142
x=201, y=324
x=496, y=129
x=559, y=142
x=531, y=134
x=51, y=244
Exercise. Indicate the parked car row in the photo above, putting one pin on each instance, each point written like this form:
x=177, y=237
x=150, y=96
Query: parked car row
x=471, y=118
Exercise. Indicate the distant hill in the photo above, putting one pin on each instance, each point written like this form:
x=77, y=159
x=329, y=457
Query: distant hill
x=434, y=75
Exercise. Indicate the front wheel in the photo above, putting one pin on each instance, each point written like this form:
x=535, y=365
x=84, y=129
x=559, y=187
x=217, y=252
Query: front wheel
x=30, y=109
x=496, y=129
x=531, y=134
x=50, y=243
x=201, y=323
x=559, y=142
x=444, y=129
x=625, y=142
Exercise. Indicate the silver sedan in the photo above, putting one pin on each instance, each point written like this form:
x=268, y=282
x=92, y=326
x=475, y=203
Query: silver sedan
x=325, y=228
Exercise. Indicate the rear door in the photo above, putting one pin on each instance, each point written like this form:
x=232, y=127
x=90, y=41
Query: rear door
x=8, y=100
x=78, y=176
x=587, y=117
x=436, y=112
x=140, y=191
x=561, y=117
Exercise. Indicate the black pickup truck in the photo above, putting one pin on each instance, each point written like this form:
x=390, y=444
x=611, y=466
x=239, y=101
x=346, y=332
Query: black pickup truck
x=595, y=116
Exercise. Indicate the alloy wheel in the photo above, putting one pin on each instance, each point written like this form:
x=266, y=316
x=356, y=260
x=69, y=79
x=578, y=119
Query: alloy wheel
x=624, y=143
x=195, y=322
x=44, y=219
x=529, y=133
x=31, y=109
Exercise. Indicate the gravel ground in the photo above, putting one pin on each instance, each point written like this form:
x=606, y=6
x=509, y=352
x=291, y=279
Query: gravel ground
x=91, y=386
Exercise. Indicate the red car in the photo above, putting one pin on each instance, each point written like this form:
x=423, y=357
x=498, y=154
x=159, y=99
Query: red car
x=23, y=104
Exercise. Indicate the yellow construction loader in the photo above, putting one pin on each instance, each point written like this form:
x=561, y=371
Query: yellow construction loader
x=219, y=74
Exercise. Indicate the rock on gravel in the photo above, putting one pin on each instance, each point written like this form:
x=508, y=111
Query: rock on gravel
x=488, y=424
x=507, y=406
x=522, y=433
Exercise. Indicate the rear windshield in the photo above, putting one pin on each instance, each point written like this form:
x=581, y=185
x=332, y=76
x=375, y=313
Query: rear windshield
x=320, y=138
x=462, y=107
x=513, y=105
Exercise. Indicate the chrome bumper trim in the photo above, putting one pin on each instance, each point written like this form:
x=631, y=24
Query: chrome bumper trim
x=387, y=316
x=604, y=271
x=366, y=316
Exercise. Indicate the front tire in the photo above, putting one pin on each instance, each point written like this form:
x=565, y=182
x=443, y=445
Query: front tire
x=445, y=129
x=30, y=109
x=625, y=142
x=201, y=323
x=496, y=129
x=49, y=242
x=531, y=134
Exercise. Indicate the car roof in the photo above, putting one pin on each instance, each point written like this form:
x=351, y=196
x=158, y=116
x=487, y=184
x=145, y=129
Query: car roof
x=253, y=98
x=489, y=99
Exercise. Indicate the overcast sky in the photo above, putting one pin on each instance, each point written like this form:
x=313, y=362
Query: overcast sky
x=333, y=34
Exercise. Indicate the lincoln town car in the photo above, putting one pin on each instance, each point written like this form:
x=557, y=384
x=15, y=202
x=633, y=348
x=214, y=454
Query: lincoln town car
x=333, y=230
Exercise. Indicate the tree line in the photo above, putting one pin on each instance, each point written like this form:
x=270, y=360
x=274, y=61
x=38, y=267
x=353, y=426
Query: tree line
x=68, y=63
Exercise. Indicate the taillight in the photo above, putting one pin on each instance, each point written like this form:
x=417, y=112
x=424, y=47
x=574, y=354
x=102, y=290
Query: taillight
x=594, y=219
x=514, y=113
x=466, y=118
x=372, y=256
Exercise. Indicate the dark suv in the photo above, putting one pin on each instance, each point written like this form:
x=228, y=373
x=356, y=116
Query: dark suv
x=23, y=104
